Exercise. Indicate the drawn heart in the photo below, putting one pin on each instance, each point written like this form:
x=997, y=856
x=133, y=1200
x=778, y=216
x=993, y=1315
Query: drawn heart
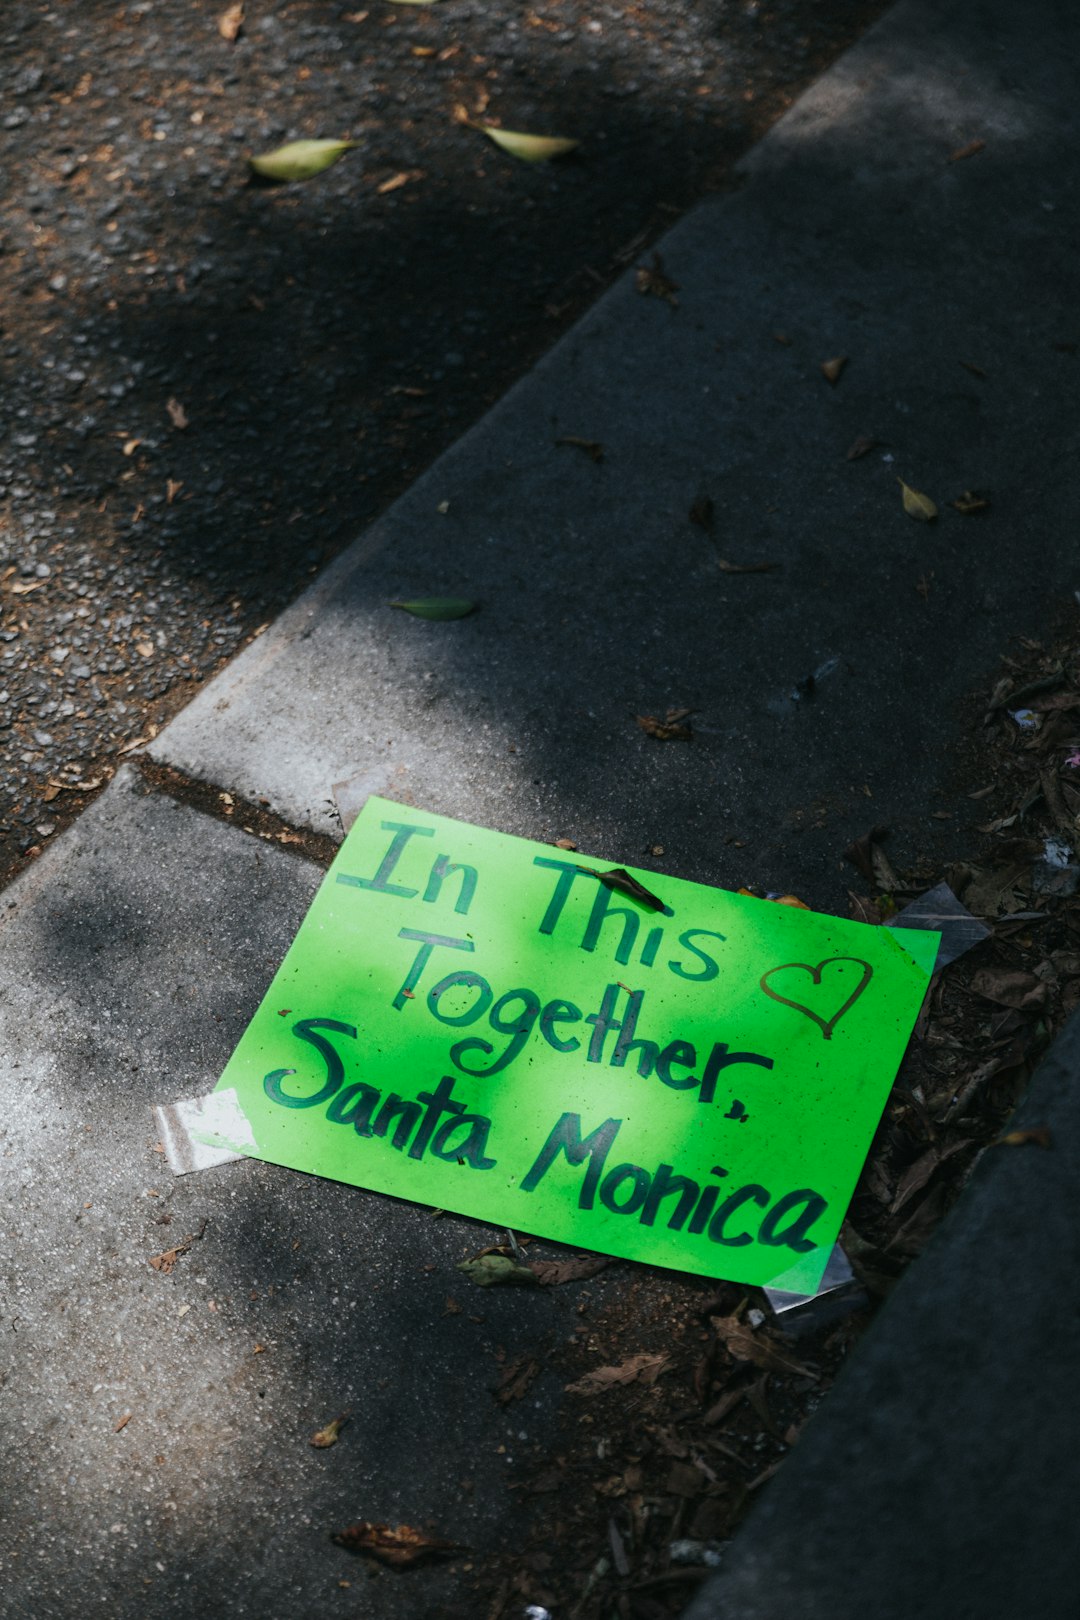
x=826, y=1025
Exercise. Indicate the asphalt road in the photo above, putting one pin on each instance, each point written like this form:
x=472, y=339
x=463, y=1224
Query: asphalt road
x=207, y=387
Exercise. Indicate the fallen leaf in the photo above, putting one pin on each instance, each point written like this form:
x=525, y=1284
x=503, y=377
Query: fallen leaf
x=916, y=504
x=1010, y=987
x=516, y=1379
x=177, y=414
x=131, y=446
x=173, y=486
x=529, y=148
x=591, y=447
x=745, y=568
x=437, y=607
x=568, y=843
x=51, y=791
x=166, y=1260
x=138, y=742
x=760, y=1348
x=669, y=730
x=917, y=1175
x=329, y=1436
x=1035, y=1135
x=395, y=182
x=967, y=151
x=862, y=446
x=145, y=649
x=643, y=1369
x=23, y=587
x=831, y=369
x=653, y=281
x=971, y=502
x=619, y=879
x=300, y=160
x=231, y=21
x=122, y=1423
x=498, y=1270
x=402, y=1546
x=550, y=1273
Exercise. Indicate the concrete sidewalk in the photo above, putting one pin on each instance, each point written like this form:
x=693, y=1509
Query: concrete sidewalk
x=134, y=951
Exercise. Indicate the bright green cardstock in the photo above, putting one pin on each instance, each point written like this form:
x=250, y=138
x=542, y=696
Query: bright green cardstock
x=477, y=1023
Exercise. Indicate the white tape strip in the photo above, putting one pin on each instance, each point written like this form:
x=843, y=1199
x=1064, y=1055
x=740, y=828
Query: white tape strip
x=199, y=1132
x=837, y=1274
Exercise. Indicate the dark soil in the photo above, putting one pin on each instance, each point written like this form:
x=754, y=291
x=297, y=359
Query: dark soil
x=322, y=341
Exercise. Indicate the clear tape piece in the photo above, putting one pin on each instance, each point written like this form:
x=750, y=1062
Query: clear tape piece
x=939, y=908
x=837, y=1274
x=200, y=1132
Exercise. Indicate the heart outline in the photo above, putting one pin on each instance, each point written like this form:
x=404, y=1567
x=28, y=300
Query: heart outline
x=825, y=1025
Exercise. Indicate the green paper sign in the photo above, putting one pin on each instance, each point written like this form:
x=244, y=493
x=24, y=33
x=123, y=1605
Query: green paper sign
x=678, y=1075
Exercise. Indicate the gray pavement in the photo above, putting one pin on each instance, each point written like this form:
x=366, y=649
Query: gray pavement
x=132, y=959
x=601, y=599
x=135, y=949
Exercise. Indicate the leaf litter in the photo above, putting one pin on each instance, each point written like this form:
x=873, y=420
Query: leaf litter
x=695, y=1390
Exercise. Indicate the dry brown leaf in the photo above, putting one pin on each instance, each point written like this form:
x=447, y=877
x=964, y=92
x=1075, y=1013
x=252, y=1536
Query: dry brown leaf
x=131, y=446
x=1034, y=1135
x=653, y=281
x=122, y=1422
x=670, y=729
x=329, y=1436
x=231, y=21
x=759, y=1348
x=145, y=649
x=862, y=446
x=725, y=1405
x=916, y=504
x=575, y=1269
x=166, y=1260
x=643, y=1369
x=971, y=503
x=51, y=791
x=173, y=486
x=967, y=151
x=23, y=587
x=565, y=843
x=917, y=1175
x=395, y=182
x=516, y=1379
x=398, y=1547
x=177, y=414
x=832, y=369
x=1010, y=987
x=138, y=742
